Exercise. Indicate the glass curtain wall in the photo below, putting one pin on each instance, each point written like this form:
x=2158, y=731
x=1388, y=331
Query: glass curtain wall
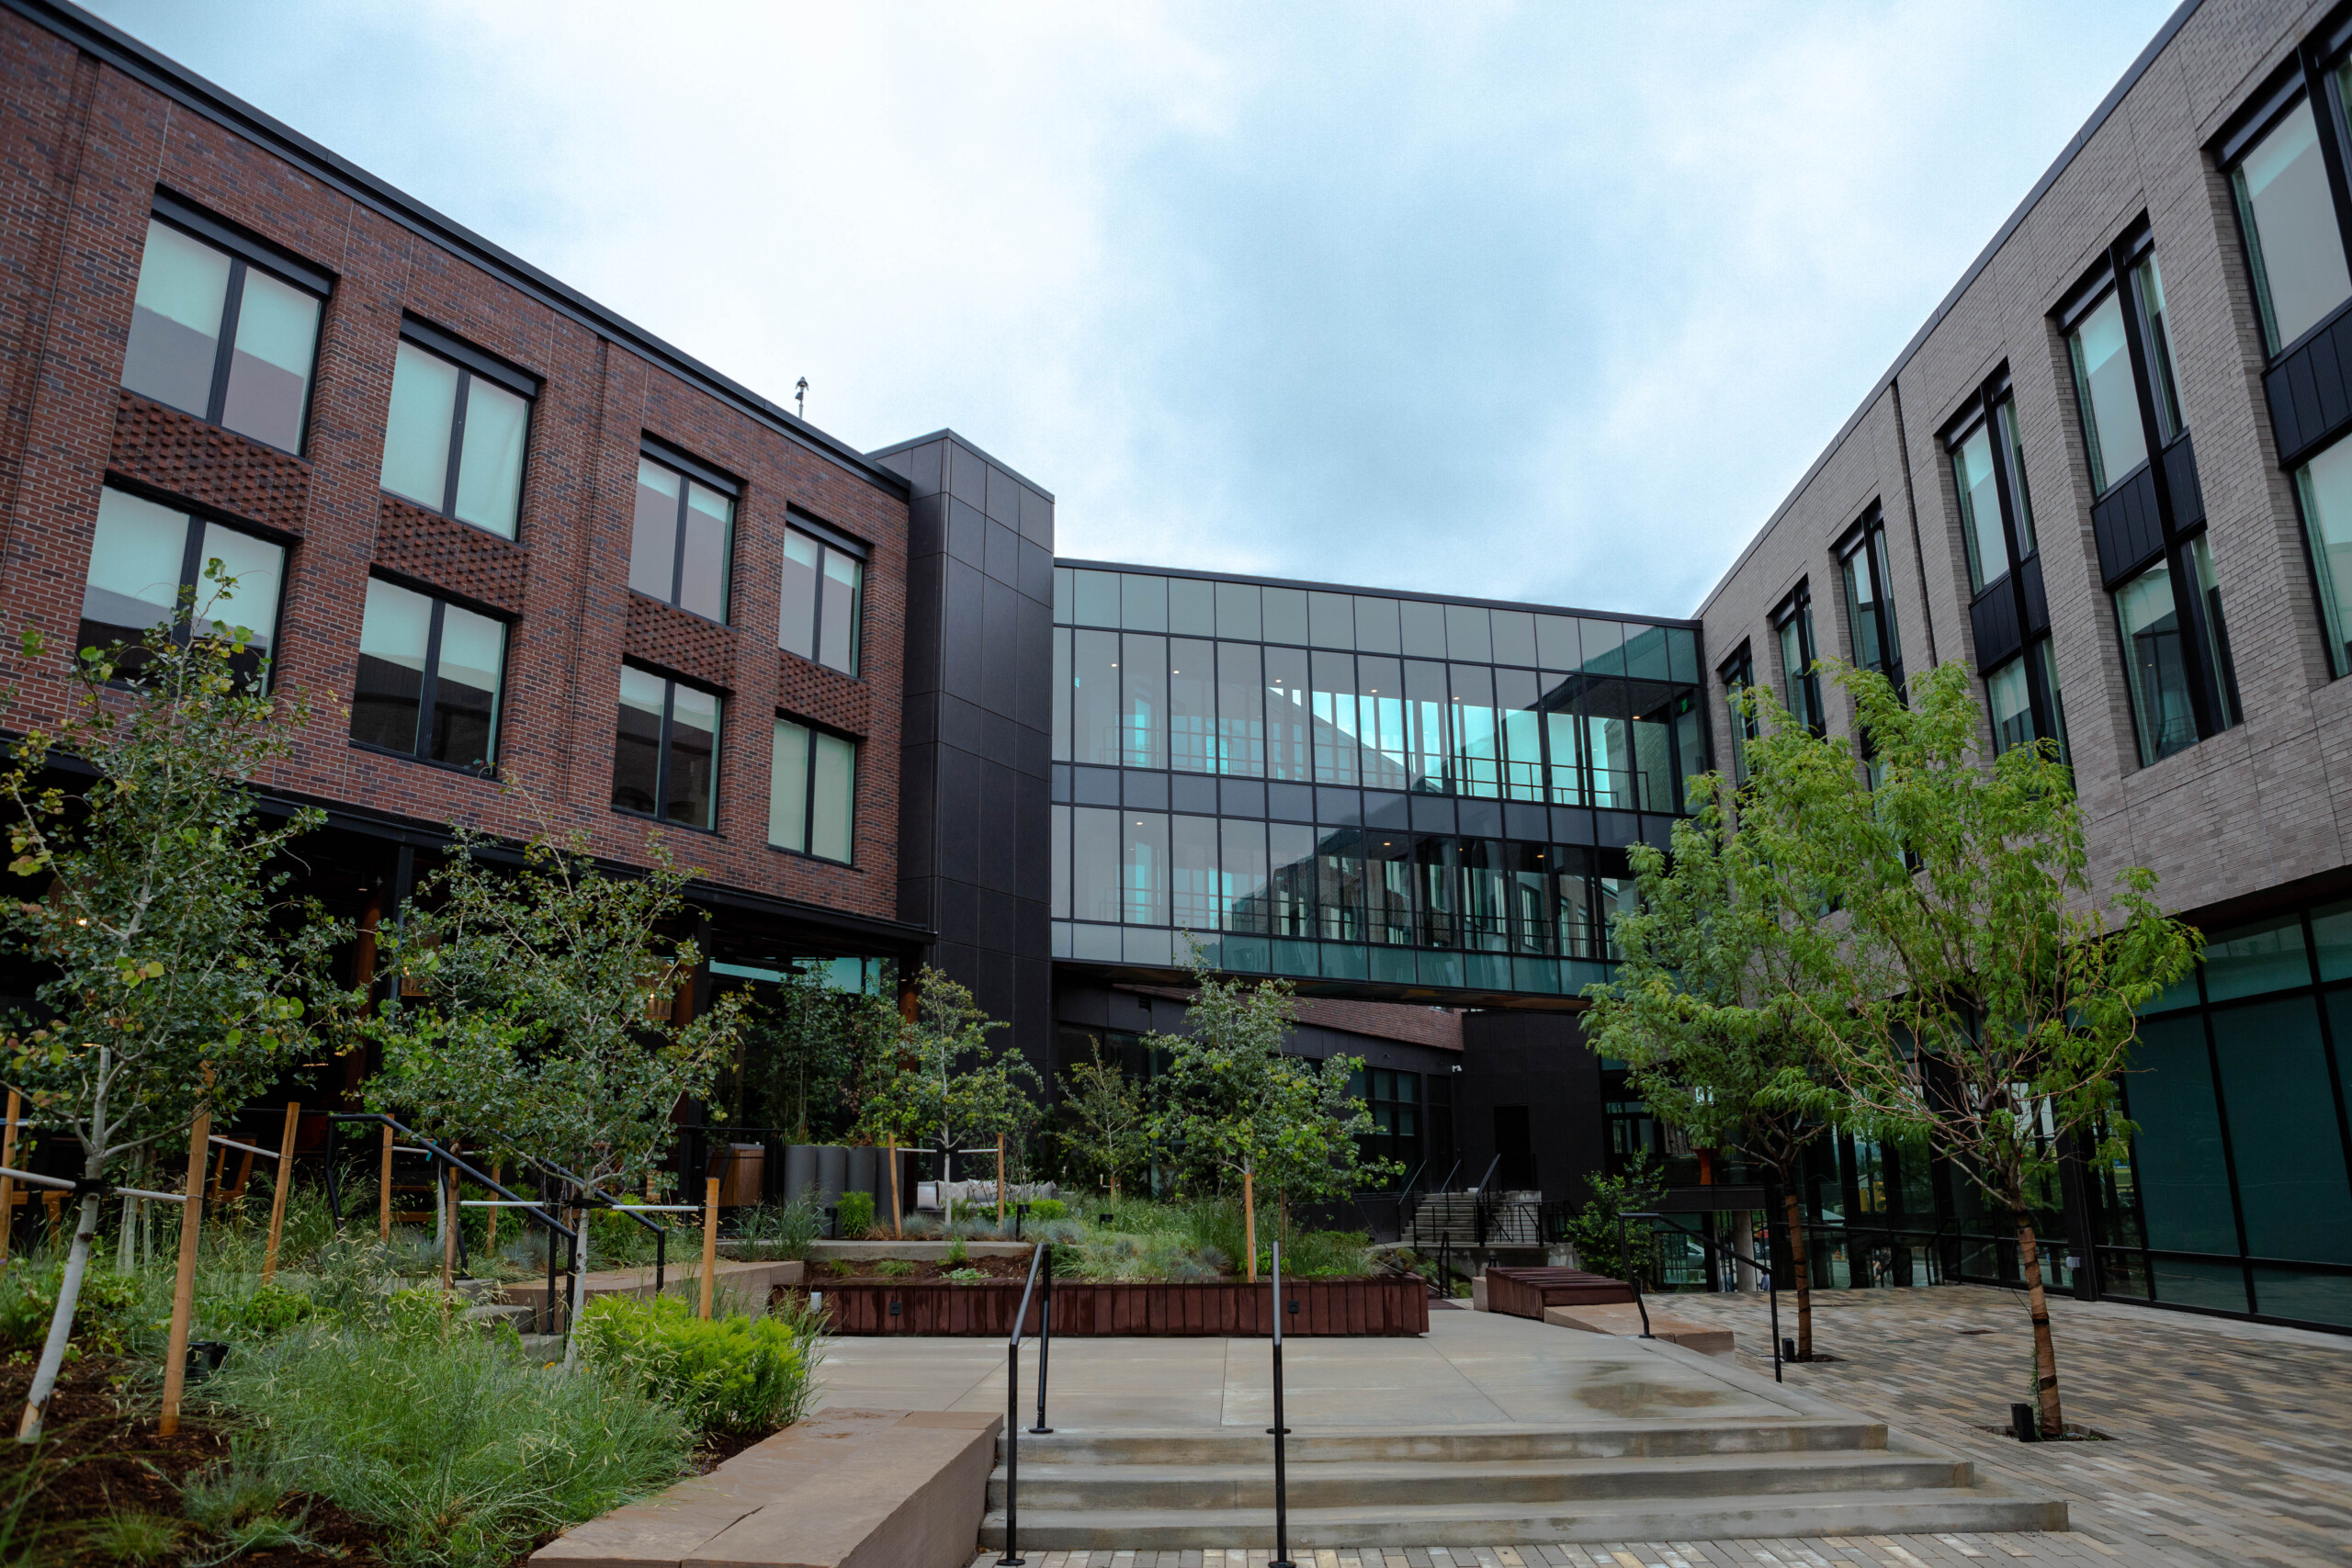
x=1319, y=782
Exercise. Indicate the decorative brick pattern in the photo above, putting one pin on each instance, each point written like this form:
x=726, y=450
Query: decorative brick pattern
x=670, y=639
x=180, y=454
x=828, y=696
x=453, y=555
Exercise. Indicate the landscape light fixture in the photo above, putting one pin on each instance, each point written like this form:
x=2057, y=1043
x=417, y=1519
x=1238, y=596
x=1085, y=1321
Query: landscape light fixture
x=800, y=397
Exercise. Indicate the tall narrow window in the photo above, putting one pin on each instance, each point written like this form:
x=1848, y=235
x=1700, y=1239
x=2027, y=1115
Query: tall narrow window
x=429, y=678
x=1979, y=509
x=1870, y=605
x=2109, y=394
x=456, y=434
x=2325, y=486
x=1739, y=674
x=665, y=753
x=151, y=566
x=683, y=540
x=2175, y=652
x=224, y=329
x=2155, y=334
x=1800, y=682
x=824, y=584
x=2289, y=219
x=812, y=791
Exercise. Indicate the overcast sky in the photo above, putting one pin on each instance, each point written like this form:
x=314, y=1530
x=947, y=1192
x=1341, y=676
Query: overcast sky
x=1547, y=301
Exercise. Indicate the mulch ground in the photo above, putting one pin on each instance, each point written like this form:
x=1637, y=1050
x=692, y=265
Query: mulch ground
x=100, y=1454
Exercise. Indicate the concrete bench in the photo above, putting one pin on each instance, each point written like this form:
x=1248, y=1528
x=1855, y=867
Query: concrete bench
x=843, y=1489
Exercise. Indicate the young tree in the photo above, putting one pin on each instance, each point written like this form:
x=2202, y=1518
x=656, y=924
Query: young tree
x=951, y=1086
x=542, y=1022
x=172, y=979
x=813, y=1055
x=1105, y=1120
x=1234, y=1105
x=1978, y=996
x=1699, y=1008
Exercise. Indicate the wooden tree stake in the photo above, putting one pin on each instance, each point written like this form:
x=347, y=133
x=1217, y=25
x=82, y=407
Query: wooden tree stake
x=7, y=1186
x=1000, y=1179
x=384, y=1191
x=1250, y=1225
x=449, y=1233
x=277, y=1195
x=183, y=1287
x=709, y=1239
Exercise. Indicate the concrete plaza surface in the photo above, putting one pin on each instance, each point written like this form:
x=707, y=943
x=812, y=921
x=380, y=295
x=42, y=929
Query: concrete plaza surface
x=1471, y=1369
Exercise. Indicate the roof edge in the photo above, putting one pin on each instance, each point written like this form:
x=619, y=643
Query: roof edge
x=949, y=432
x=175, y=81
x=1373, y=593
x=2099, y=117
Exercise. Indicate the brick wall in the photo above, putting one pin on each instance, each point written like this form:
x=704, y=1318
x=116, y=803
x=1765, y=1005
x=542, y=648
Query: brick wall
x=83, y=149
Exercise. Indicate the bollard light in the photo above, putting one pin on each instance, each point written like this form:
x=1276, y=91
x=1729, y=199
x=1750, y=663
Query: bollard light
x=1788, y=1350
x=2023, y=1424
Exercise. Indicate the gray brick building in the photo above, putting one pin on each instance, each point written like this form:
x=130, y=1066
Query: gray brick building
x=2161, y=325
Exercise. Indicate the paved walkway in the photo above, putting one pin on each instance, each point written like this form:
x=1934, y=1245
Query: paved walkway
x=2231, y=1442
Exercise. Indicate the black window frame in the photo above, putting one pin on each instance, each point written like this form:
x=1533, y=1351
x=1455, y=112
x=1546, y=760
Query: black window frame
x=670, y=684
x=1738, y=673
x=192, y=560
x=2118, y=273
x=429, y=683
x=825, y=535
x=1867, y=540
x=1798, y=608
x=662, y=455
x=809, y=789
x=472, y=362
x=2309, y=76
x=1994, y=407
x=244, y=251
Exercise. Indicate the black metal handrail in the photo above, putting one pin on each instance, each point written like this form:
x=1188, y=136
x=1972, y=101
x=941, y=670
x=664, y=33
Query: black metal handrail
x=1279, y=1431
x=1634, y=1276
x=1012, y=1558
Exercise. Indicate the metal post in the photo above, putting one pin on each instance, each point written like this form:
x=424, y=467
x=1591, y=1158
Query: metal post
x=1633, y=1277
x=1012, y=1558
x=660, y=1256
x=1044, y=1340
x=1282, y=1483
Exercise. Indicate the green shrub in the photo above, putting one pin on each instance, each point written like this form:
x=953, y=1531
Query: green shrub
x=133, y=1536
x=104, y=1315
x=264, y=1310
x=893, y=1268
x=856, y=1214
x=782, y=1230
x=1048, y=1209
x=462, y=1454
x=957, y=1252
x=731, y=1375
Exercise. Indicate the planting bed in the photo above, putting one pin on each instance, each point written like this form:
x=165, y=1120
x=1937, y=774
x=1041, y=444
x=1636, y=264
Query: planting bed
x=100, y=1454
x=1379, y=1306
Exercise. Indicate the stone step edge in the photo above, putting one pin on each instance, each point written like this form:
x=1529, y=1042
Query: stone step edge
x=1794, y=1516
x=1322, y=1471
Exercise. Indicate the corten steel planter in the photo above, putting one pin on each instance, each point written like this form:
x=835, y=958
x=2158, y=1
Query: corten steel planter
x=1525, y=1292
x=1377, y=1306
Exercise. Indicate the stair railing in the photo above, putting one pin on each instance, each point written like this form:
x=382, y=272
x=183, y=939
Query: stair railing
x=1012, y=1558
x=1279, y=1431
x=1771, y=1290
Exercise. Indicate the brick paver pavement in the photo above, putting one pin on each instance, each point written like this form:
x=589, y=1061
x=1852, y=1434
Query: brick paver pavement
x=2231, y=1442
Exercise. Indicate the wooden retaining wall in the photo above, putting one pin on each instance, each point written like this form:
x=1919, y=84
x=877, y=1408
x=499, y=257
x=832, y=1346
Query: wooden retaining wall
x=1525, y=1292
x=1378, y=1306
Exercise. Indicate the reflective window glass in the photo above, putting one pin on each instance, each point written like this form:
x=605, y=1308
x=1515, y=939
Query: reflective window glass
x=653, y=537
x=832, y=797
x=2008, y=703
x=822, y=590
x=395, y=631
x=665, y=753
x=1380, y=714
x=2325, y=486
x=417, y=430
x=2247, y=961
x=1979, y=509
x=429, y=677
x=1288, y=734
x=2289, y=219
x=2109, y=394
x=1094, y=864
x=148, y=560
x=2284, y=1143
x=1191, y=704
x=788, y=787
x=1142, y=867
x=1333, y=702
x=176, y=322
x=1193, y=889
x=2156, y=327
x=1338, y=886
x=2155, y=666
x=187, y=291
x=1477, y=738
x=454, y=441
x=269, y=370
x=2183, y=1176
x=1240, y=706
x=1143, y=713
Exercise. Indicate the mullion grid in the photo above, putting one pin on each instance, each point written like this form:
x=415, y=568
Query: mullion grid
x=2317, y=990
x=428, y=689
x=224, y=351
x=456, y=438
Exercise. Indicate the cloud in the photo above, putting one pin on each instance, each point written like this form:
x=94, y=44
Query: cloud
x=1540, y=301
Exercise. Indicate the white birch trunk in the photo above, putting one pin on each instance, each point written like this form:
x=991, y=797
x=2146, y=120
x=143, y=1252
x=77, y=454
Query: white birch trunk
x=579, y=1291
x=61, y=1322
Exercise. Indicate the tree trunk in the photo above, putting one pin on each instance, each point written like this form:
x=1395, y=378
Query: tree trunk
x=578, y=1290
x=61, y=1322
x=126, y=1249
x=2045, y=1349
x=1803, y=1272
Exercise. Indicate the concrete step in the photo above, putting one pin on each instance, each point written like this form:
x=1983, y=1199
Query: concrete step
x=1358, y=1487
x=1462, y=1445
x=1483, y=1523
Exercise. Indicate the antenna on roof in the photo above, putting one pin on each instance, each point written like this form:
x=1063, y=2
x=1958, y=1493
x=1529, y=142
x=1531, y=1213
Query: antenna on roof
x=800, y=396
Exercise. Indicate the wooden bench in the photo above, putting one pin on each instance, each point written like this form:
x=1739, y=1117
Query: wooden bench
x=1525, y=1292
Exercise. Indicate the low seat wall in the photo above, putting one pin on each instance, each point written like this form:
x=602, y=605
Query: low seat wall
x=1377, y=1307
x=1525, y=1292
